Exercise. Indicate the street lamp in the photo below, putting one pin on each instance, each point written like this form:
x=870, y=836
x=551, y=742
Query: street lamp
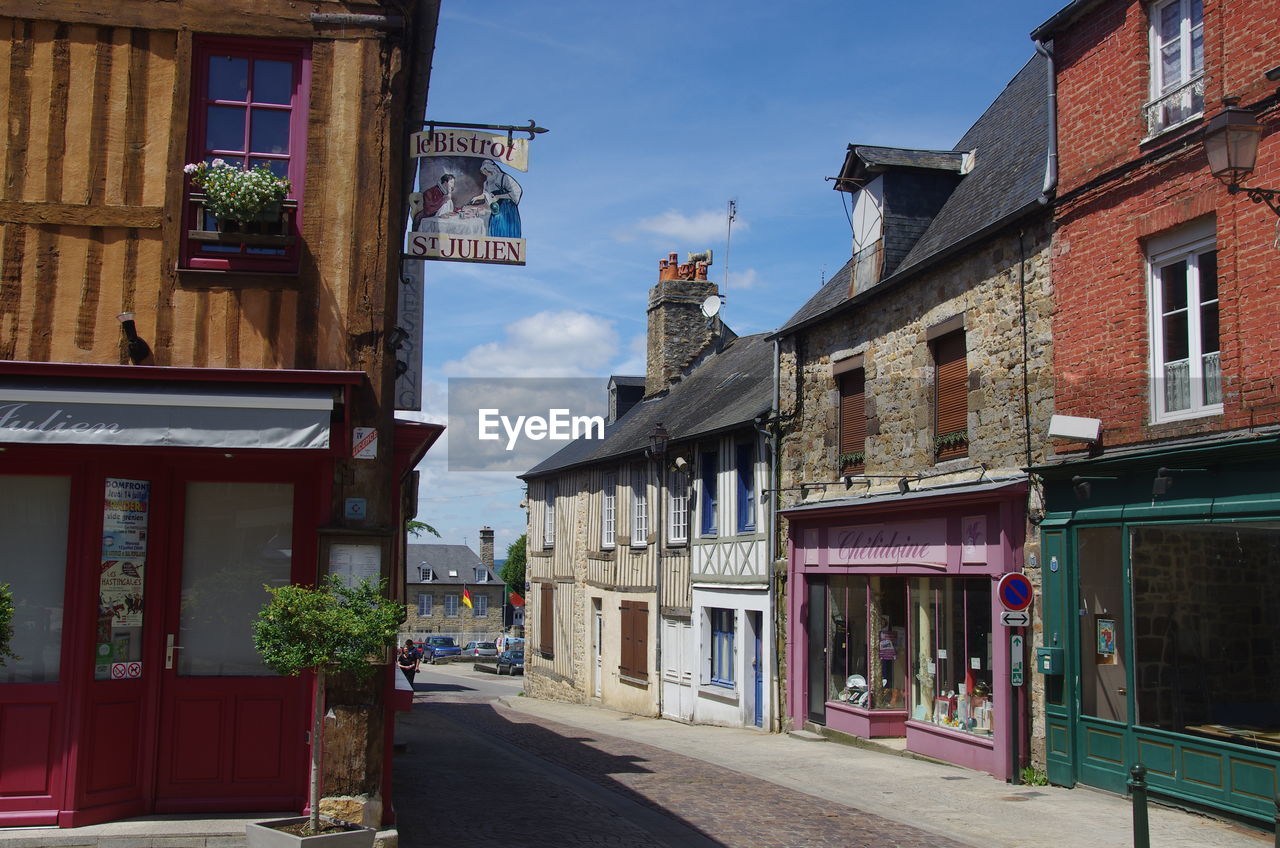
x=658, y=442
x=1231, y=144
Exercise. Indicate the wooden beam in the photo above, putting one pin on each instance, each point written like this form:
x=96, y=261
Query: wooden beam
x=80, y=215
x=260, y=18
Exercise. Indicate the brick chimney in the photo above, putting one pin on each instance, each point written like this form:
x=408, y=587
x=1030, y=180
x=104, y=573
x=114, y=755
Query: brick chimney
x=678, y=330
x=486, y=547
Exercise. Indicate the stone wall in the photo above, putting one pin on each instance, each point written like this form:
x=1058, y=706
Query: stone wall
x=1007, y=429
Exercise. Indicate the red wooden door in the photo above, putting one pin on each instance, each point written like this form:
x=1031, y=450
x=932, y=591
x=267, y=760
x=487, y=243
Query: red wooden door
x=36, y=504
x=231, y=732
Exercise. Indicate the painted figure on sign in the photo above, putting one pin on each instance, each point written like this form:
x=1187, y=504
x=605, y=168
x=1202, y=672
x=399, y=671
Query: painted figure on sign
x=438, y=200
x=502, y=194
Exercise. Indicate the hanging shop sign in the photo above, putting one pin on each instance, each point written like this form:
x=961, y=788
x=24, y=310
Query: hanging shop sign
x=467, y=207
x=505, y=150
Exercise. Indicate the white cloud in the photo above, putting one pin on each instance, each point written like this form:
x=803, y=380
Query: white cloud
x=745, y=279
x=635, y=364
x=566, y=343
x=707, y=227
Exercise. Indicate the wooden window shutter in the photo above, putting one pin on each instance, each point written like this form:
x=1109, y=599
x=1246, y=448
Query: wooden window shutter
x=951, y=395
x=640, y=639
x=853, y=419
x=546, y=619
x=627, y=652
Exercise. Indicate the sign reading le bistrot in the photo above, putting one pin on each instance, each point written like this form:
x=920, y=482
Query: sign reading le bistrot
x=467, y=207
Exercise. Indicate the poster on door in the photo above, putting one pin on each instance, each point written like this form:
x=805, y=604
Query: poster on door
x=121, y=571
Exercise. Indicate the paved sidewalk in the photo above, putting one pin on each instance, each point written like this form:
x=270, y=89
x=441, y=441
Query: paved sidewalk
x=950, y=802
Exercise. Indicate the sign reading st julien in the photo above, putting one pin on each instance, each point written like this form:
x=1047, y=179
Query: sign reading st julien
x=468, y=205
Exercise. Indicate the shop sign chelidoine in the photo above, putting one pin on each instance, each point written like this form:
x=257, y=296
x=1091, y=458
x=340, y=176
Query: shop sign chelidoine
x=467, y=207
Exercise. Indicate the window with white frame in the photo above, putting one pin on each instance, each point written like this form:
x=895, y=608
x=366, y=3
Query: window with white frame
x=1186, y=373
x=678, y=508
x=639, y=513
x=549, y=514
x=721, y=653
x=480, y=606
x=609, y=512
x=1177, y=63
x=424, y=604
x=451, y=606
x=482, y=575
x=426, y=574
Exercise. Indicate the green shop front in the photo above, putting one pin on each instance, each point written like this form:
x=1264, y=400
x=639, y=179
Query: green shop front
x=1161, y=608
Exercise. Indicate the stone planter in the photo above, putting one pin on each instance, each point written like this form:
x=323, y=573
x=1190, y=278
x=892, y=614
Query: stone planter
x=266, y=835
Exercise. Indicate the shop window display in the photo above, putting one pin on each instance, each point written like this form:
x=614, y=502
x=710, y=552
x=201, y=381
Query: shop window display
x=867, y=631
x=1206, y=608
x=952, y=649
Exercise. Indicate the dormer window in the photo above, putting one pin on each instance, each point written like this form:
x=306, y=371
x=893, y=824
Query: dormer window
x=868, y=243
x=482, y=575
x=425, y=574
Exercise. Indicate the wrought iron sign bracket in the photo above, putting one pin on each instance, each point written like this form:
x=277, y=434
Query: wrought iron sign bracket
x=533, y=129
x=1269, y=196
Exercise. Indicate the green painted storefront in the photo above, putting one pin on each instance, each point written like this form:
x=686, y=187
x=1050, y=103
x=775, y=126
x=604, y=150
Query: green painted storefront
x=1162, y=598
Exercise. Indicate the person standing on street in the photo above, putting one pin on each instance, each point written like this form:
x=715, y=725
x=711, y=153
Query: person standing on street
x=408, y=660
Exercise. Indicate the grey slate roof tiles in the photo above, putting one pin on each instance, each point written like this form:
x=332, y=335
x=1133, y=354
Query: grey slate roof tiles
x=1011, y=142
x=726, y=391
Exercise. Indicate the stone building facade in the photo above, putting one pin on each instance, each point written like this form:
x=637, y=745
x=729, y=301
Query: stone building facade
x=436, y=577
x=911, y=398
x=648, y=572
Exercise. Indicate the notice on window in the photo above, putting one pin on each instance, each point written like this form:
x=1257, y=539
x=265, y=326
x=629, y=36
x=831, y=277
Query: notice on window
x=1106, y=637
x=121, y=572
x=354, y=563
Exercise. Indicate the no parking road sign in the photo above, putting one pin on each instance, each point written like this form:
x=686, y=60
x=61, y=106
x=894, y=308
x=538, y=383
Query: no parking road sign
x=1015, y=592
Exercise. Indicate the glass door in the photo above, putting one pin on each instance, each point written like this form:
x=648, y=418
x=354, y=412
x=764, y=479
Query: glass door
x=232, y=730
x=34, y=517
x=1102, y=613
x=817, y=652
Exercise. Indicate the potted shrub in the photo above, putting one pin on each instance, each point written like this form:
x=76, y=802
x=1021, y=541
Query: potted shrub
x=332, y=628
x=238, y=197
x=6, y=623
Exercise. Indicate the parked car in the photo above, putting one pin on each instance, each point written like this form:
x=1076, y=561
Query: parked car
x=479, y=649
x=443, y=648
x=512, y=662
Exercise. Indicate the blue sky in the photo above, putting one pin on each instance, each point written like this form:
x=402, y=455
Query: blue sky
x=659, y=114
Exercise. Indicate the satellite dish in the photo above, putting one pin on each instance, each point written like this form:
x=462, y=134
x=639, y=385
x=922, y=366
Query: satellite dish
x=711, y=305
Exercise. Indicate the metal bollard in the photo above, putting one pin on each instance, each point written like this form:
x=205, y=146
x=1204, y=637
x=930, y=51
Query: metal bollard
x=1138, y=790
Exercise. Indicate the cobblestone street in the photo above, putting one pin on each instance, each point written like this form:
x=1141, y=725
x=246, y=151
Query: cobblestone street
x=475, y=773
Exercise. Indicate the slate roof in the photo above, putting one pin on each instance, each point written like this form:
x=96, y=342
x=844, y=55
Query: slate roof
x=1011, y=143
x=623, y=380
x=864, y=159
x=442, y=559
x=729, y=390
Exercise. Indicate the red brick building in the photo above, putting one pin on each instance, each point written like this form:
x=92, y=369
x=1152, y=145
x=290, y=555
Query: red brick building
x=1160, y=599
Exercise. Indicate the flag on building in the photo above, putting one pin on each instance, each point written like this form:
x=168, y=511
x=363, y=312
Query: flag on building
x=466, y=597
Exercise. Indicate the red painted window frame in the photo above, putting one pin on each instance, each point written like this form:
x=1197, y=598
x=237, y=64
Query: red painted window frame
x=297, y=52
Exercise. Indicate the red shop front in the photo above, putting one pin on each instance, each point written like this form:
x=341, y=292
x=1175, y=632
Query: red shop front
x=142, y=511
x=894, y=624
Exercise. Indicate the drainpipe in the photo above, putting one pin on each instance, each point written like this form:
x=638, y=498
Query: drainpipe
x=1051, y=158
x=772, y=542
x=659, y=464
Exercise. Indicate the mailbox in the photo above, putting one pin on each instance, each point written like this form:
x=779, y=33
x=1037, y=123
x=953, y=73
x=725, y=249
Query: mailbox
x=1049, y=660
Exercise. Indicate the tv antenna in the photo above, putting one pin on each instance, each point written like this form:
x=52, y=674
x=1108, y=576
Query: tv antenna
x=728, y=237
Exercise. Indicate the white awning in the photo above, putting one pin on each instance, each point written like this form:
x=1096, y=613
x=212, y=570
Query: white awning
x=296, y=417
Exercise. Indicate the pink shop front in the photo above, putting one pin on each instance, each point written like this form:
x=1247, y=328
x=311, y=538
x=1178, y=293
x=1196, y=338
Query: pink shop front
x=894, y=622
